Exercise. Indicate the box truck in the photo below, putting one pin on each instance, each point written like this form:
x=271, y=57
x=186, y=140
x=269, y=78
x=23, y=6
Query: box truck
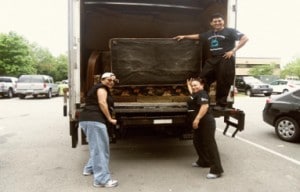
x=133, y=39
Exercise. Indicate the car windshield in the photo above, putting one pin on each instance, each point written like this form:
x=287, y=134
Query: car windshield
x=252, y=80
x=31, y=79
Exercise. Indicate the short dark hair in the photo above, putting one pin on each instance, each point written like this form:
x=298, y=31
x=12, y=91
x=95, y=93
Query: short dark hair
x=216, y=15
x=200, y=80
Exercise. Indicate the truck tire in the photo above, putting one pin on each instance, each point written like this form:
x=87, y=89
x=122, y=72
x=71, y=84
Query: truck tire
x=10, y=93
x=21, y=96
x=49, y=94
x=285, y=91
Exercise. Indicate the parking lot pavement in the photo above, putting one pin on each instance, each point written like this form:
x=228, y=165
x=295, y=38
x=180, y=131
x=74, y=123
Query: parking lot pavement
x=36, y=155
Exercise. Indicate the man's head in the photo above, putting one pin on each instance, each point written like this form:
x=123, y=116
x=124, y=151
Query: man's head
x=217, y=21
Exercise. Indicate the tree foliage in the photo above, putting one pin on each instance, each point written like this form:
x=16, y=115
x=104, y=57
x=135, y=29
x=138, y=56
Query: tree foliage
x=291, y=69
x=18, y=56
x=262, y=70
x=15, y=55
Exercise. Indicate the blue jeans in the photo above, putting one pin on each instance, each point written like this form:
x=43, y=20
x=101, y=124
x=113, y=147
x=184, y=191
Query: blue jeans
x=98, y=139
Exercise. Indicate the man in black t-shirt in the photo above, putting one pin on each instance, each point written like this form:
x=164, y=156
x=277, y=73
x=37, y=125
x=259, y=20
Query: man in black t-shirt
x=220, y=67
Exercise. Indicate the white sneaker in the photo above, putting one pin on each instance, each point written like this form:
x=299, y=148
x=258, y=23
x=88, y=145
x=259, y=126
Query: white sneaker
x=110, y=183
x=212, y=176
x=85, y=173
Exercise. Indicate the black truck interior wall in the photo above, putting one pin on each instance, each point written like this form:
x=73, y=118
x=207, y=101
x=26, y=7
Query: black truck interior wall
x=103, y=20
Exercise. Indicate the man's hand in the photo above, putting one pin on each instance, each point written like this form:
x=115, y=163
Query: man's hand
x=228, y=54
x=179, y=37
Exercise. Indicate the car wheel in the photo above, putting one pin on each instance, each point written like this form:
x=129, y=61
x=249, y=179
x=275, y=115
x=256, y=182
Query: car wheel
x=248, y=92
x=21, y=96
x=49, y=94
x=285, y=91
x=268, y=94
x=10, y=93
x=287, y=129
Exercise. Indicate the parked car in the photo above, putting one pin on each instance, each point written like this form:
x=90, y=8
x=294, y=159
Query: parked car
x=251, y=86
x=36, y=85
x=282, y=85
x=8, y=86
x=283, y=112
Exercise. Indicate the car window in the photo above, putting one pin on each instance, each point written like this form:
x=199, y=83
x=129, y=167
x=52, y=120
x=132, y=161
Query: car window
x=5, y=80
x=275, y=83
x=25, y=79
x=37, y=79
x=252, y=80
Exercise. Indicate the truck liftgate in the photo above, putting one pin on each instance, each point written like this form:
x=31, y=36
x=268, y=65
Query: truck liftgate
x=232, y=118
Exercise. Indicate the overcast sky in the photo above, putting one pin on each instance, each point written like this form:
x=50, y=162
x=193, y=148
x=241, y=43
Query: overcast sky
x=273, y=26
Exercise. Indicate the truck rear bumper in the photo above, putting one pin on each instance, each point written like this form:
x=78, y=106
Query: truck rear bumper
x=126, y=121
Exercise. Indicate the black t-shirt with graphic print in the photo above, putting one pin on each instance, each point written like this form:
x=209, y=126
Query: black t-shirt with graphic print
x=221, y=41
x=196, y=100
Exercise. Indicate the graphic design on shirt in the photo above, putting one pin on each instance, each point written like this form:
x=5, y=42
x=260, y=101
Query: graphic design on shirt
x=204, y=99
x=215, y=43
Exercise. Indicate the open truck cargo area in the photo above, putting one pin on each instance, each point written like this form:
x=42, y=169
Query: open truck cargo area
x=133, y=39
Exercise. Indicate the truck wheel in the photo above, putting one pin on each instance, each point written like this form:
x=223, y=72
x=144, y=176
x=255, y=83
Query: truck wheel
x=10, y=93
x=285, y=91
x=21, y=96
x=49, y=94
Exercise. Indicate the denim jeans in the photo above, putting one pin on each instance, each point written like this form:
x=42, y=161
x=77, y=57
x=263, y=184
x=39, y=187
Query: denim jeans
x=98, y=139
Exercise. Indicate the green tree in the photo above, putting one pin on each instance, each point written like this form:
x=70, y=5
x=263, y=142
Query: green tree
x=15, y=55
x=61, y=68
x=262, y=70
x=47, y=64
x=43, y=60
x=291, y=69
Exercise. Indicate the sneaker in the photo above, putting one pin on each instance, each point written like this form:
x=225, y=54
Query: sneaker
x=86, y=173
x=110, y=183
x=195, y=164
x=212, y=176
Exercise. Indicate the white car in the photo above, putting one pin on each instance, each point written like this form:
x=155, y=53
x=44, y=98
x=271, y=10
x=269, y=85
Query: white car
x=36, y=85
x=283, y=85
x=8, y=86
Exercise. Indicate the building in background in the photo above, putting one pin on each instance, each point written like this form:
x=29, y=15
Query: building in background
x=244, y=64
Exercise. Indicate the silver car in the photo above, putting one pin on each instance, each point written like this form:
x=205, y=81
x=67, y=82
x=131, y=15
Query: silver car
x=8, y=86
x=36, y=85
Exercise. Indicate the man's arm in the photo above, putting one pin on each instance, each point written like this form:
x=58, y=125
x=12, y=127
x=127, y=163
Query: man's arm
x=192, y=36
x=240, y=44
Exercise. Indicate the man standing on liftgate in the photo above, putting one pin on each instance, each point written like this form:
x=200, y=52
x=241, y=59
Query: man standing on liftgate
x=220, y=67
